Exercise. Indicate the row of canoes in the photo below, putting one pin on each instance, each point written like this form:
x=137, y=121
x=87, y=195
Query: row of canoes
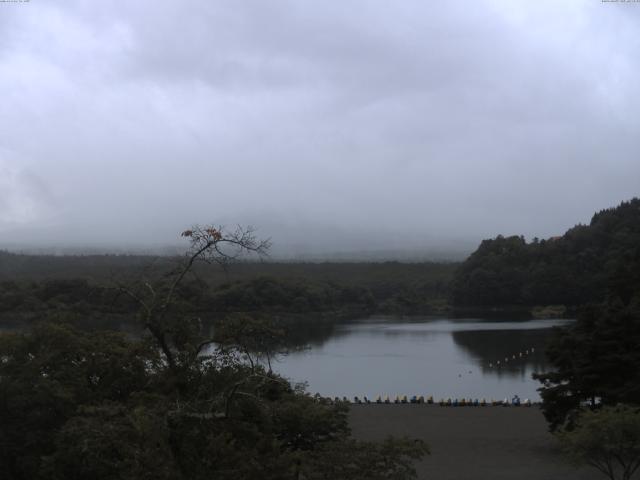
x=514, y=402
x=449, y=402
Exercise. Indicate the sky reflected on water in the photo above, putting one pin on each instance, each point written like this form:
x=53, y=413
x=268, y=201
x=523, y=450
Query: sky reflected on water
x=441, y=357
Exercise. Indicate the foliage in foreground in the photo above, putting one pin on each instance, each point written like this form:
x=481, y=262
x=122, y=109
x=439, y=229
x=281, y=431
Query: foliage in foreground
x=171, y=406
x=98, y=405
x=607, y=439
x=597, y=361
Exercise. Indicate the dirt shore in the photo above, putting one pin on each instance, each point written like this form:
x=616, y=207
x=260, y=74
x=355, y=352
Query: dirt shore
x=472, y=443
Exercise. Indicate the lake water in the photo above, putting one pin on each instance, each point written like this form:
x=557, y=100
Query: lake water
x=419, y=356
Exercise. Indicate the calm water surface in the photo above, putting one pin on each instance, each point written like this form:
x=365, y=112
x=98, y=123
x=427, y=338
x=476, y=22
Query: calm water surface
x=443, y=358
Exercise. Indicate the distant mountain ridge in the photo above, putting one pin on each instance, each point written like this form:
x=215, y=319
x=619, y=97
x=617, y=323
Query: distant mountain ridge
x=586, y=264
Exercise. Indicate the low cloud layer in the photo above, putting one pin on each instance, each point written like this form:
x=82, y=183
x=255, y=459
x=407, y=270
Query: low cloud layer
x=328, y=125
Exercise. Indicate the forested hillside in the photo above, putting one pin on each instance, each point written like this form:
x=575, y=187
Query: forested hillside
x=582, y=266
x=36, y=288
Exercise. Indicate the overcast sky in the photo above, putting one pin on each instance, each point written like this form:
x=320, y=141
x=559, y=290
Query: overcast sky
x=328, y=125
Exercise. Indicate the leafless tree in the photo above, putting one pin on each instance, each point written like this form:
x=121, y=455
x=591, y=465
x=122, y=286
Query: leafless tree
x=155, y=296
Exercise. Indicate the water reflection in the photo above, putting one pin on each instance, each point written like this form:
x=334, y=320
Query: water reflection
x=491, y=346
x=418, y=356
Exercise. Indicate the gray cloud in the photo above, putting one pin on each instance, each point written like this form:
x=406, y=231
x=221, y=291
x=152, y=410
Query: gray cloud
x=331, y=125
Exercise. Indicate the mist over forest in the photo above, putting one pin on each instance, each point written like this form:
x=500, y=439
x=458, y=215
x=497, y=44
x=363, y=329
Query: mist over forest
x=356, y=240
x=336, y=130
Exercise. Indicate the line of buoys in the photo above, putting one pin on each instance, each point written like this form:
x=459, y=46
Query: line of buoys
x=512, y=357
x=449, y=402
x=515, y=402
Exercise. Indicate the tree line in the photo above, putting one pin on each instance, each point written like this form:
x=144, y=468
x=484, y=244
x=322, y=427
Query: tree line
x=582, y=266
x=179, y=401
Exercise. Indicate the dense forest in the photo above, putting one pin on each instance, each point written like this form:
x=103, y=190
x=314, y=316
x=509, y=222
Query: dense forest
x=580, y=267
x=177, y=400
x=583, y=266
x=34, y=288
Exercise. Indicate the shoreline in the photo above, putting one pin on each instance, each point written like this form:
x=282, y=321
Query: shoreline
x=472, y=443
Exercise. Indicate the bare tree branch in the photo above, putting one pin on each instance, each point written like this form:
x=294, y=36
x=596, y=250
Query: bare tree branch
x=206, y=243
